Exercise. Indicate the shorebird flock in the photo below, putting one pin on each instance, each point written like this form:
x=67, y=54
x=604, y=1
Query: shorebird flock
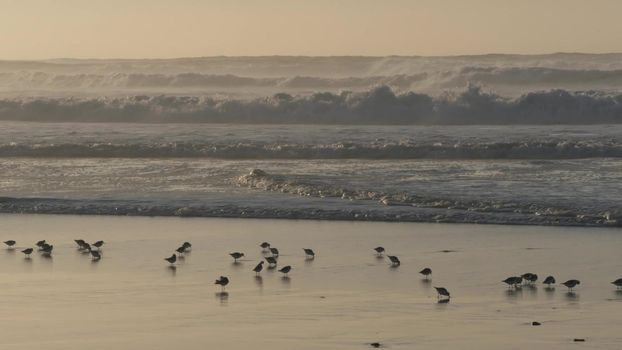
x=95, y=250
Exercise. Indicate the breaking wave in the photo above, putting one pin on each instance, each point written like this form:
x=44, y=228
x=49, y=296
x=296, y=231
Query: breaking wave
x=431, y=79
x=380, y=105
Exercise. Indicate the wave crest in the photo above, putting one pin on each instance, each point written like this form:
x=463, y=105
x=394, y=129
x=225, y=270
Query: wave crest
x=380, y=105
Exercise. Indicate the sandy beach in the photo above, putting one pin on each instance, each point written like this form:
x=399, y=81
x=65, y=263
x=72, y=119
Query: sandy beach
x=345, y=298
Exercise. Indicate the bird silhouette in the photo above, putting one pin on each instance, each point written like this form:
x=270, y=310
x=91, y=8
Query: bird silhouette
x=530, y=277
x=258, y=268
x=617, y=283
x=96, y=255
x=98, y=244
x=309, y=252
x=47, y=249
x=512, y=281
x=286, y=269
x=172, y=259
x=549, y=280
x=395, y=261
x=236, y=256
x=442, y=292
x=222, y=281
x=271, y=262
x=426, y=272
x=27, y=252
x=10, y=243
x=274, y=251
x=571, y=284
x=379, y=250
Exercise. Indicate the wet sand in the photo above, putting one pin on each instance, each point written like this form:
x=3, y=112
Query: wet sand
x=343, y=299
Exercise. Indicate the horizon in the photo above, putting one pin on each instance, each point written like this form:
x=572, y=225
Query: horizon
x=163, y=29
x=311, y=56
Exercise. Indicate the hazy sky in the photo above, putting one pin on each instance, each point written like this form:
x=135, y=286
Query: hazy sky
x=36, y=29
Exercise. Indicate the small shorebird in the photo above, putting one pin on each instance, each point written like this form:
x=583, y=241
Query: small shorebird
x=181, y=250
x=617, y=283
x=571, y=284
x=271, y=261
x=79, y=242
x=187, y=246
x=395, y=261
x=27, y=252
x=98, y=244
x=442, y=292
x=96, y=255
x=265, y=246
x=40, y=244
x=530, y=277
x=426, y=272
x=379, y=250
x=286, y=269
x=172, y=259
x=274, y=251
x=309, y=253
x=549, y=280
x=10, y=243
x=236, y=256
x=258, y=268
x=86, y=248
x=512, y=281
x=223, y=281
x=47, y=249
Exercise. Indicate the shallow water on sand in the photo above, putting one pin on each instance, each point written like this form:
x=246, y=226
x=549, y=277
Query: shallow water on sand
x=343, y=299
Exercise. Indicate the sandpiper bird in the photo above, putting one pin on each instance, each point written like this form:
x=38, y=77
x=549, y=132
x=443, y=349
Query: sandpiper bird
x=309, y=252
x=271, y=261
x=236, y=256
x=571, y=284
x=395, y=261
x=10, y=243
x=530, y=277
x=442, y=292
x=274, y=251
x=47, y=249
x=286, y=269
x=258, y=268
x=98, y=244
x=265, y=246
x=617, y=283
x=40, y=244
x=187, y=246
x=512, y=281
x=171, y=259
x=223, y=281
x=549, y=280
x=96, y=255
x=86, y=248
x=27, y=252
x=181, y=250
x=379, y=250
x=426, y=272
x=79, y=242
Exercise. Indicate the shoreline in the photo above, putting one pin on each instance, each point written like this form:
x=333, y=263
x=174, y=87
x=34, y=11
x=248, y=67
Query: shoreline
x=355, y=213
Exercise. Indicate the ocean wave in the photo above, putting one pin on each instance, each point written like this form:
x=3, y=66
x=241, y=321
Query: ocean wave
x=259, y=179
x=380, y=105
x=558, y=149
x=431, y=79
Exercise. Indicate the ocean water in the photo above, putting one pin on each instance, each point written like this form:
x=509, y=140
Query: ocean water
x=549, y=175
